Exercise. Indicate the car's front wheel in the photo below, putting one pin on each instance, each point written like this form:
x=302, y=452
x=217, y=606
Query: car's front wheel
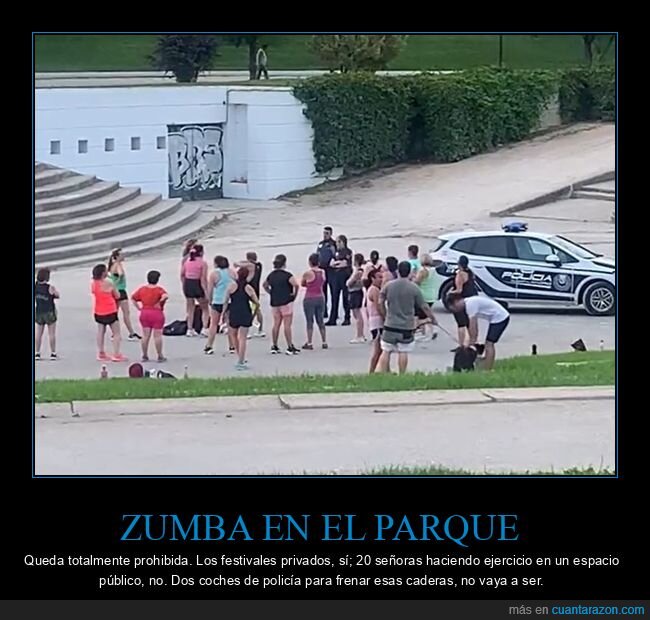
x=600, y=299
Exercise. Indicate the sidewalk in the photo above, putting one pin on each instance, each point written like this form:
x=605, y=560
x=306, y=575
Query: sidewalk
x=308, y=402
x=475, y=430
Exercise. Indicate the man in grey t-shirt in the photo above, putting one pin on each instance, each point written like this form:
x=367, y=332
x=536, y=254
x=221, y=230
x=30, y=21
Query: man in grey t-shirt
x=398, y=301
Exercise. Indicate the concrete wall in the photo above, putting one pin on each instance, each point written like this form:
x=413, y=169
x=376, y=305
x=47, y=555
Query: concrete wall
x=122, y=134
x=268, y=141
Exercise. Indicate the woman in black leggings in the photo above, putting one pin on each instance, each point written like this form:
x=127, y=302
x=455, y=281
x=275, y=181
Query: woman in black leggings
x=465, y=284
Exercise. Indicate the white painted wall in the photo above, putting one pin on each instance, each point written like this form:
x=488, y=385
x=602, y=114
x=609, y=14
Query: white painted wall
x=267, y=142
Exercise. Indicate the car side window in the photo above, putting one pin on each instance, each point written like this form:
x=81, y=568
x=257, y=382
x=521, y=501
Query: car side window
x=538, y=250
x=464, y=245
x=563, y=256
x=496, y=247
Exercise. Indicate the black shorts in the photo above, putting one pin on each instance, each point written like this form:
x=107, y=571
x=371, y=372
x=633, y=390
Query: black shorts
x=106, y=319
x=496, y=330
x=236, y=322
x=218, y=308
x=375, y=333
x=45, y=318
x=123, y=296
x=192, y=289
x=356, y=299
x=462, y=320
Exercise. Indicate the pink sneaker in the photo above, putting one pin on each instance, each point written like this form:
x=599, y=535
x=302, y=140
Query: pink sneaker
x=102, y=357
x=119, y=358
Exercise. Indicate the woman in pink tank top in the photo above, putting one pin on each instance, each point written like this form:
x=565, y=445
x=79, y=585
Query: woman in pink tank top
x=375, y=319
x=313, y=303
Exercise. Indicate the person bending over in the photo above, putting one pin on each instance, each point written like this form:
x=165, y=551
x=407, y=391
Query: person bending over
x=480, y=307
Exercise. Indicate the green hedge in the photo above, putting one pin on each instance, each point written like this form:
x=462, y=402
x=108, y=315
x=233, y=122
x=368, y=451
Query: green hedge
x=362, y=121
x=588, y=94
x=471, y=112
x=359, y=120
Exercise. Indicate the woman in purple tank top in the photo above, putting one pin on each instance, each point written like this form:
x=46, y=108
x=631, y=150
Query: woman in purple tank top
x=314, y=301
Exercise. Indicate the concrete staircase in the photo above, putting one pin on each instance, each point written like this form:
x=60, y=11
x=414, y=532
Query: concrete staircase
x=605, y=190
x=600, y=191
x=79, y=219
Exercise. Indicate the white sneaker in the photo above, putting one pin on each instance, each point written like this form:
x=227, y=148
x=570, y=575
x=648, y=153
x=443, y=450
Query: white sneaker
x=357, y=341
x=260, y=335
x=204, y=333
x=191, y=333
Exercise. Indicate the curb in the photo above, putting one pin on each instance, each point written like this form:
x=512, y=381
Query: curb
x=558, y=194
x=309, y=402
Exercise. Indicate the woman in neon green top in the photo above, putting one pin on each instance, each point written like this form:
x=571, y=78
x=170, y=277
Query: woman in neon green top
x=426, y=279
x=117, y=276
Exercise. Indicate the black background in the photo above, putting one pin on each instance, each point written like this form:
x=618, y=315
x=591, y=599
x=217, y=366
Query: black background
x=559, y=516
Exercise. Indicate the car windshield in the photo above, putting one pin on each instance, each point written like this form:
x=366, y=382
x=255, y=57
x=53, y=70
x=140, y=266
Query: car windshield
x=437, y=244
x=573, y=248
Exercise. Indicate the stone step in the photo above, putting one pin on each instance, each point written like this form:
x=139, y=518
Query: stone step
x=86, y=194
x=598, y=188
x=114, y=206
x=53, y=175
x=593, y=195
x=69, y=184
x=157, y=211
x=39, y=165
x=132, y=236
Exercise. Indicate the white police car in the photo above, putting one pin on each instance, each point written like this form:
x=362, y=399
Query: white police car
x=516, y=266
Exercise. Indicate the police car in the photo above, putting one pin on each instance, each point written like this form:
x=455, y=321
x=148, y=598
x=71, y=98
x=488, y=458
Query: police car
x=516, y=266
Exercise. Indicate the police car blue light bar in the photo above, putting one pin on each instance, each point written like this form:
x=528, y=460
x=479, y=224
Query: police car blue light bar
x=515, y=227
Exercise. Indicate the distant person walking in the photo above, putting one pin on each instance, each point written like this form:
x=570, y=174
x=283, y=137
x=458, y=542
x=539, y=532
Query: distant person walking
x=117, y=274
x=313, y=303
x=150, y=300
x=105, y=311
x=261, y=61
x=45, y=312
x=397, y=301
x=326, y=250
x=242, y=301
x=283, y=289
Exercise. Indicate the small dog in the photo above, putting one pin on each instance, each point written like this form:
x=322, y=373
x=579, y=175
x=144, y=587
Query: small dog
x=465, y=357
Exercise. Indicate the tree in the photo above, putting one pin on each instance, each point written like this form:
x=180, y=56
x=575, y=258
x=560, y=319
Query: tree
x=184, y=55
x=596, y=46
x=252, y=41
x=357, y=52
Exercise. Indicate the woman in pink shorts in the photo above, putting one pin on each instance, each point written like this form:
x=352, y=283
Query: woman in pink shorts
x=150, y=301
x=283, y=288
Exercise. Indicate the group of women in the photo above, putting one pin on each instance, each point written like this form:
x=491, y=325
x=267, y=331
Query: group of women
x=227, y=297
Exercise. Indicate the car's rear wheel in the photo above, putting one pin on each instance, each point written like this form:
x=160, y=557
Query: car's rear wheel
x=600, y=299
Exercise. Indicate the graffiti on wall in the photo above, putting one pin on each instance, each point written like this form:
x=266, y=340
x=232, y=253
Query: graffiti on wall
x=195, y=161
